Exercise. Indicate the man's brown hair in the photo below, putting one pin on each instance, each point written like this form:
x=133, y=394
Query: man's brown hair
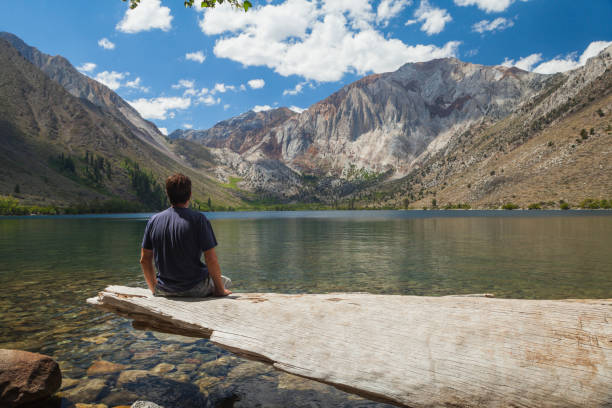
x=178, y=188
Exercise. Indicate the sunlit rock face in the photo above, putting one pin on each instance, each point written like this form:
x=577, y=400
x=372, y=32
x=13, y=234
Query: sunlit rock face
x=386, y=121
x=382, y=122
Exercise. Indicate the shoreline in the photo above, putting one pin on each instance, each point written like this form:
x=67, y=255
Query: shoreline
x=429, y=213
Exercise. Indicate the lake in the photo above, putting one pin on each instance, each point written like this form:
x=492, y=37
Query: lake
x=50, y=265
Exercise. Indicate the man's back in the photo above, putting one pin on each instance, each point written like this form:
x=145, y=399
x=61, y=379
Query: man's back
x=177, y=237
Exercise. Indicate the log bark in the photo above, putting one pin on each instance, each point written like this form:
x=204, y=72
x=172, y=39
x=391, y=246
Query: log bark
x=406, y=350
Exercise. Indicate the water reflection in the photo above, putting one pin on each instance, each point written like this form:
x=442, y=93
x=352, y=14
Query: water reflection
x=48, y=267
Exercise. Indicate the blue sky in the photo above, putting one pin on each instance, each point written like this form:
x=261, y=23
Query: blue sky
x=186, y=68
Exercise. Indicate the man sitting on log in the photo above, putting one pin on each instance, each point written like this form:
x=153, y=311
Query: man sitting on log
x=176, y=238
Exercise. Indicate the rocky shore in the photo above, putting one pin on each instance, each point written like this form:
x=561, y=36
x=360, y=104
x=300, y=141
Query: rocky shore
x=150, y=369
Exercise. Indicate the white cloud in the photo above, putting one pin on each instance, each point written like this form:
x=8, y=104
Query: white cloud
x=525, y=63
x=387, y=9
x=498, y=24
x=197, y=56
x=558, y=64
x=434, y=19
x=149, y=15
x=159, y=108
x=297, y=90
x=209, y=100
x=106, y=44
x=318, y=40
x=221, y=88
x=163, y=130
x=135, y=84
x=111, y=79
x=256, y=83
x=87, y=67
x=187, y=125
x=184, y=83
x=297, y=109
x=242, y=87
x=261, y=108
x=488, y=6
x=226, y=106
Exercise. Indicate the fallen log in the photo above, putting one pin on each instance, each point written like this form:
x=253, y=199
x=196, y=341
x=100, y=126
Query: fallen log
x=406, y=350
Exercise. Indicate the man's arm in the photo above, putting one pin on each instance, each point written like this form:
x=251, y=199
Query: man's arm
x=146, y=263
x=215, y=272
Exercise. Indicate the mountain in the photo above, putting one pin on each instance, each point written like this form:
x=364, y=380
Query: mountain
x=58, y=149
x=61, y=71
x=400, y=137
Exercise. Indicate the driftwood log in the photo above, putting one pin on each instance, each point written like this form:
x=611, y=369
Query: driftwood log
x=406, y=350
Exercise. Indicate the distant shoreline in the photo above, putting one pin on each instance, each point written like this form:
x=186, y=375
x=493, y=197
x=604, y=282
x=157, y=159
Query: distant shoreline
x=473, y=212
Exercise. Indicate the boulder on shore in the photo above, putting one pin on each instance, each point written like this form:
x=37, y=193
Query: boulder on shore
x=26, y=378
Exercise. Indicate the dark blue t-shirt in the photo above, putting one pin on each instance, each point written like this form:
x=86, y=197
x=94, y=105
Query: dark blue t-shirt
x=177, y=237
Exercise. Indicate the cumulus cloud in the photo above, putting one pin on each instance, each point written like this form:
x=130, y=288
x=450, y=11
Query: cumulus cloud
x=525, y=63
x=111, y=79
x=295, y=91
x=87, y=67
x=197, y=56
x=434, y=19
x=297, y=109
x=106, y=44
x=149, y=15
x=489, y=6
x=135, y=84
x=221, y=88
x=209, y=100
x=226, y=106
x=184, y=83
x=187, y=125
x=256, y=83
x=163, y=130
x=387, y=9
x=160, y=108
x=558, y=64
x=498, y=24
x=318, y=40
x=261, y=108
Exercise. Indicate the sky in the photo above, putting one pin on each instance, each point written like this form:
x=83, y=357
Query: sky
x=191, y=67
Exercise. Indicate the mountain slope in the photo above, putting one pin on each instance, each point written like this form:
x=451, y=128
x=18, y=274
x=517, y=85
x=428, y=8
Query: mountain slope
x=555, y=148
x=408, y=136
x=65, y=151
x=61, y=71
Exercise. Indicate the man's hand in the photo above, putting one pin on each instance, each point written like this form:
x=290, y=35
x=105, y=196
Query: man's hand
x=146, y=263
x=214, y=271
x=225, y=292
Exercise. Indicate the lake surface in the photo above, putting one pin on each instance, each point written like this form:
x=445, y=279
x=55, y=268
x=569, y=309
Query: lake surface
x=50, y=265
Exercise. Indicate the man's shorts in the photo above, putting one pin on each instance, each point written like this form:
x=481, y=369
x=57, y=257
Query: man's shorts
x=203, y=289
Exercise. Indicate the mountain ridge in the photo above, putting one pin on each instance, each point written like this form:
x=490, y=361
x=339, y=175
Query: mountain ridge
x=60, y=150
x=390, y=125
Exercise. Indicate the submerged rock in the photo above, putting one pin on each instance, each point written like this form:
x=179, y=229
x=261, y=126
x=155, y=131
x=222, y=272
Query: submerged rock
x=162, y=368
x=102, y=367
x=87, y=390
x=83, y=405
x=145, y=404
x=27, y=378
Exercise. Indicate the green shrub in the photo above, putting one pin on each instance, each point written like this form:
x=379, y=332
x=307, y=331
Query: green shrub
x=510, y=206
x=584, y=134
x=534, y=206
x=564, y=206
x=593, y=204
